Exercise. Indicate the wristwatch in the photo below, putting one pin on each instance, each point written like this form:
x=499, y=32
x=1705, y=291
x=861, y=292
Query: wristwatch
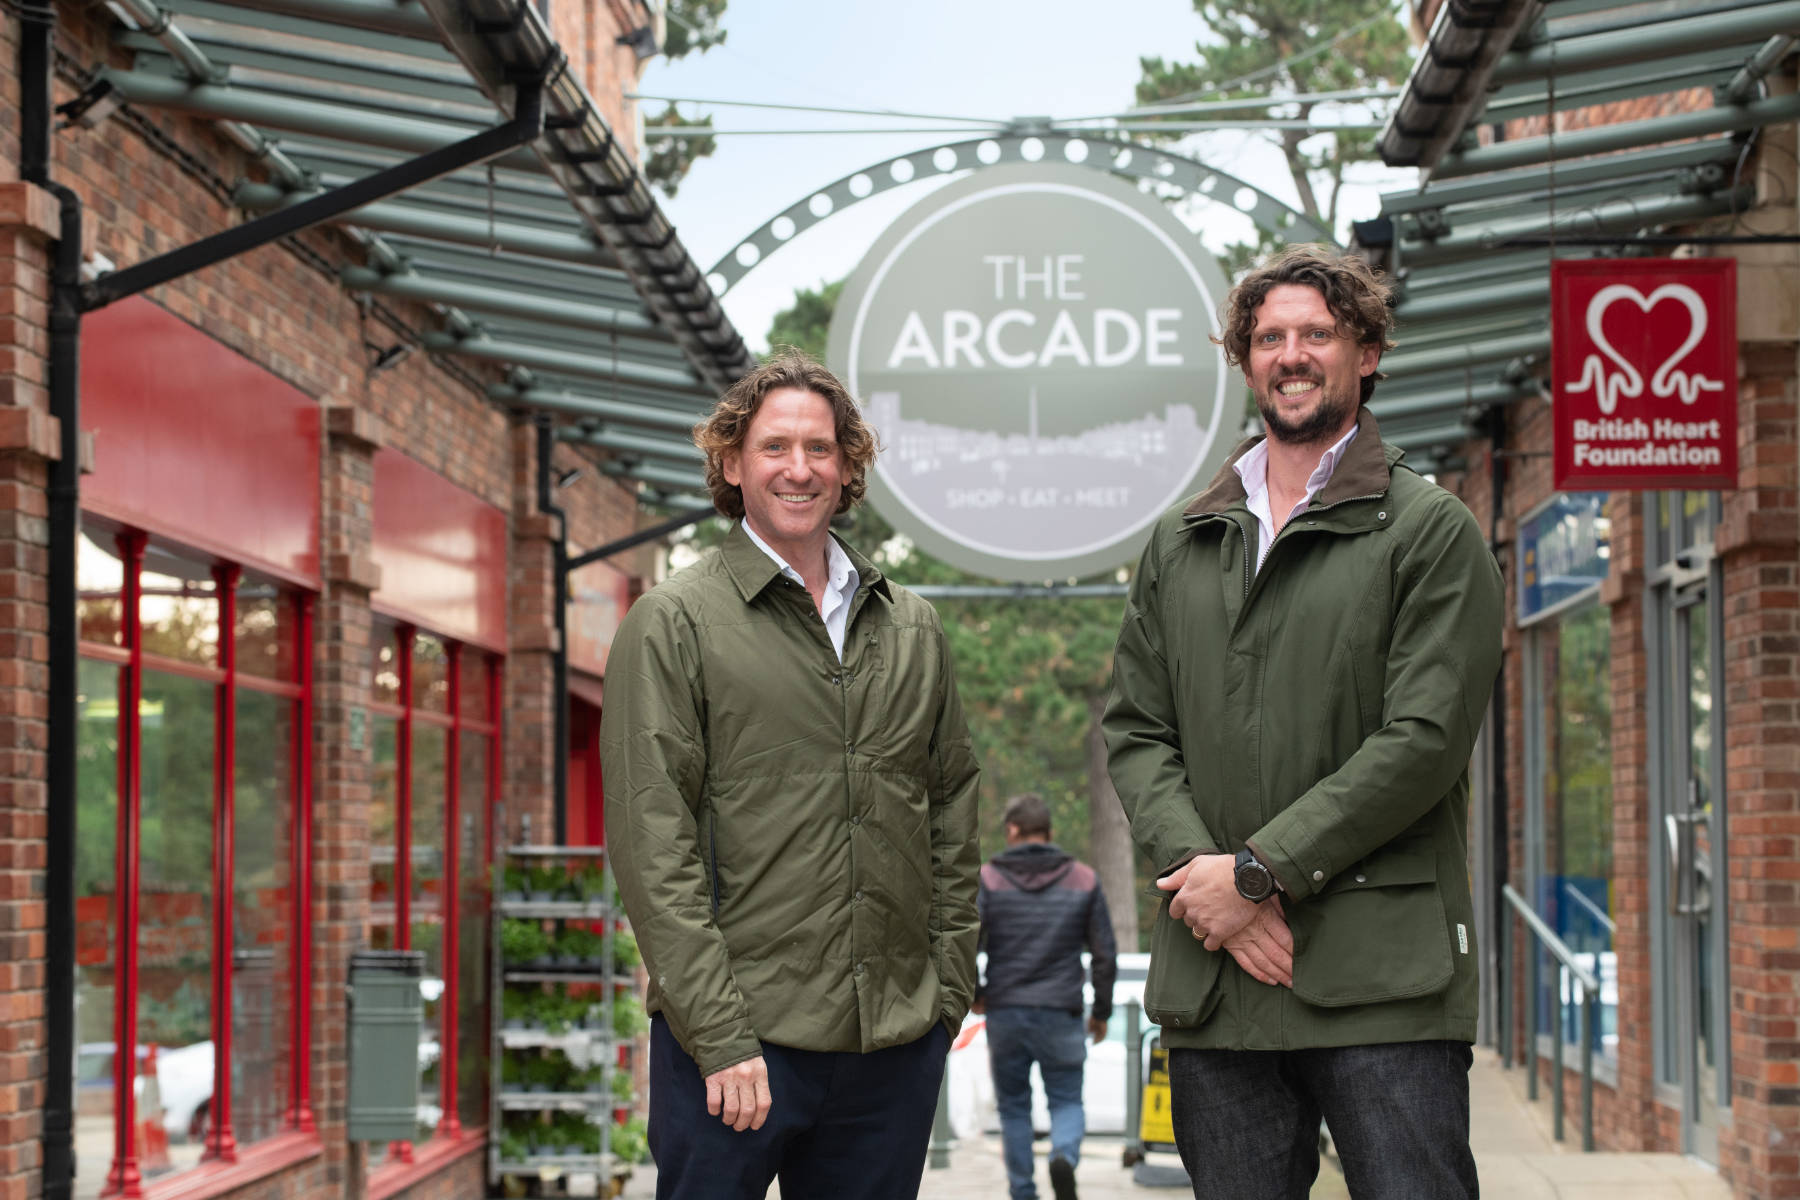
x=1254, y=881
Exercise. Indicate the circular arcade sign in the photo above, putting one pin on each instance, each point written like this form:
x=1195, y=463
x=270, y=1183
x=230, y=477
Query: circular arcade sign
x=1033, y=344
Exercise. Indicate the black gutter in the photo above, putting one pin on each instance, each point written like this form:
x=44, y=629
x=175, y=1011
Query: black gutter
x=559, y=656
x=37, y=31
x=1499, y=831
x=681, y=520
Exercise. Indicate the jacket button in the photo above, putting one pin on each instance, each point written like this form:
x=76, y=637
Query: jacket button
x=1361, y=878
x=859, y=895
x=859, y=968
x=1381, y=516
x=856, y=818
x=1318, y=876
x=836, y=679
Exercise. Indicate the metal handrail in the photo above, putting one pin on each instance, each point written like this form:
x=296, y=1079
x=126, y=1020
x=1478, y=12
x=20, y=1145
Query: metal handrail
x=1590, y=1010
x=1593, y=910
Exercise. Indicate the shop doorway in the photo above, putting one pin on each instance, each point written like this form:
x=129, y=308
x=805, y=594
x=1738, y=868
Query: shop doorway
x=1689, y=875
x=587, y=800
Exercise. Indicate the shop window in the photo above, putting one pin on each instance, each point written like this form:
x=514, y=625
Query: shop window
x=434, y=723
x=189, y=828
x=1565, y=554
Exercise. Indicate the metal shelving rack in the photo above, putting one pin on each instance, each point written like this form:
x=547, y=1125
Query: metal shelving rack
x=596, y=1103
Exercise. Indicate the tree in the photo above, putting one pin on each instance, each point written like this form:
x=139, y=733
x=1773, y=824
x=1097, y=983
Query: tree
x=693, y=27
x=1033, y=677
x=1266, y=49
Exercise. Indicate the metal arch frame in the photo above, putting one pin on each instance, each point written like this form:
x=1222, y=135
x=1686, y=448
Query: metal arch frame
x=1101, y=154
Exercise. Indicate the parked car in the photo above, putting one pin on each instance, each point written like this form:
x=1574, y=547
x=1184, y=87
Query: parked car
x=1103, y=1092
x=184, y=1081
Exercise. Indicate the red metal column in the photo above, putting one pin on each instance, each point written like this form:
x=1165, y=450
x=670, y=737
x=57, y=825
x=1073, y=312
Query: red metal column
x=220, y=1142
x=450, y=902
x=124, y=1179
x=301, y=1115
x=403, y=745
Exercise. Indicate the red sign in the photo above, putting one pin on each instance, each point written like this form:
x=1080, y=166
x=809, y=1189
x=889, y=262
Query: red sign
x=1644, y=366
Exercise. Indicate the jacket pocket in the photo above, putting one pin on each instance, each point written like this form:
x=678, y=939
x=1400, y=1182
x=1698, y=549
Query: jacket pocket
x=1377, y=932
x=1182, y=988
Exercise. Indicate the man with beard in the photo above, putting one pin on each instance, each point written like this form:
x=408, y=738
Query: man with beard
x=1306, y=657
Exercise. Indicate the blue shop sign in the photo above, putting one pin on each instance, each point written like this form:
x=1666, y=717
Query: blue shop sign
x=1563, y=552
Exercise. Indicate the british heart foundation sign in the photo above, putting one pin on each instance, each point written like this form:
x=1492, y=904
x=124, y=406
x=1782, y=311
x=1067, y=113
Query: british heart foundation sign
x=1644, y=365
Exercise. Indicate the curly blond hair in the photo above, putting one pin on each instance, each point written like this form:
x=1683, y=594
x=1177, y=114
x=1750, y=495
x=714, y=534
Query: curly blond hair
x=1360, y=298
x=724, y=431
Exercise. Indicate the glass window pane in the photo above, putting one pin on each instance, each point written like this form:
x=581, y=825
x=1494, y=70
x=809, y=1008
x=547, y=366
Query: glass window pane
x=383, y=833
x=476, y=668
x=472, y=965
x=384, y=655
x=1578, y=868
x=96, y=926
x=175, y=909
x=1697, y=518
x=262, y=914
x=427, y=917
x=265, y=631
x=180, y=610
x=100, y=586
x=431, y=674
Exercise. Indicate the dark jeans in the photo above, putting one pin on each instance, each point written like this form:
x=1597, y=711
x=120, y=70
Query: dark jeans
x=1247, y=1121
x=847, y=1125
x=1056, y=1040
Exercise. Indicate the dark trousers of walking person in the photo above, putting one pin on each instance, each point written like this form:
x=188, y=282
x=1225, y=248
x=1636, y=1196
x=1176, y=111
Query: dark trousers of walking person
x=1247, y=1121
x=841, y=1126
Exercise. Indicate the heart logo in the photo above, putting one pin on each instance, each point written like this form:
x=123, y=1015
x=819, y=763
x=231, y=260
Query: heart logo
x=1627, y=381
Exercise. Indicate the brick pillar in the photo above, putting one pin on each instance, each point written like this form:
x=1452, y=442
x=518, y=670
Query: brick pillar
x=1629, y=1121
x=529, y=731
x=343, y=768
x=28, y=442
x=1757, y=542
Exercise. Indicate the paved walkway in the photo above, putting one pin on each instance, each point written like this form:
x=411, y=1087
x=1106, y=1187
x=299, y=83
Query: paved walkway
x=1514, y=1154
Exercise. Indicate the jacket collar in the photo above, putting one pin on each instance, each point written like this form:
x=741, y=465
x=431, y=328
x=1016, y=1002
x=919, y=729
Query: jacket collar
x=1365, y=470
x=752, y=570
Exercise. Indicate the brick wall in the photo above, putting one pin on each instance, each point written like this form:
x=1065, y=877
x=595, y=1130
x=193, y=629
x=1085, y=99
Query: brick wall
x=152, y=181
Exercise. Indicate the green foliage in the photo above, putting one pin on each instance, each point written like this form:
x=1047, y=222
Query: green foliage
x=1269, y=48
x=629, y=1020
x=523, y=941
x=590, y=882
x=514, y=1145
x=630, y=1141
x=549, y=880
x=669, y=158
x=622, y=1088
x=626, y=955
x=579, y=944
x=694, y=27
x=806, y=324
x=515, y=881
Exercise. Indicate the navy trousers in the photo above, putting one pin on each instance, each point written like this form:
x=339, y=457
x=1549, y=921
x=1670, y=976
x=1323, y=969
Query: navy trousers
x=841, y=1126
x=1247, y=1121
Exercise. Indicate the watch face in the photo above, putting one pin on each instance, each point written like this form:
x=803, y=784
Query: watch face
x=1254, y=881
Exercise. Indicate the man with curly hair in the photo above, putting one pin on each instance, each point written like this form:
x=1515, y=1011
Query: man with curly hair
x=790, y=809
x=1307, y=654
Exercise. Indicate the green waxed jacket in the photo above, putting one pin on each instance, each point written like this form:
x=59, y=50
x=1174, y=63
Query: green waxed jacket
x=794, y=838
x=1322, y=710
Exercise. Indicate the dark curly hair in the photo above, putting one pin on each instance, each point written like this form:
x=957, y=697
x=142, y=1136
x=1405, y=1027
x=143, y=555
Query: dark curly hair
x=724, y=431
x=1359, y=297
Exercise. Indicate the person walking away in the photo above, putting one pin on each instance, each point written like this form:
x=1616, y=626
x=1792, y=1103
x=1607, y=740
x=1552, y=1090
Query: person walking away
x=1039, y=909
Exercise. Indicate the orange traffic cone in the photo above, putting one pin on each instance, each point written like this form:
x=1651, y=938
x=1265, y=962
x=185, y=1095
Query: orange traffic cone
x=152, y=1137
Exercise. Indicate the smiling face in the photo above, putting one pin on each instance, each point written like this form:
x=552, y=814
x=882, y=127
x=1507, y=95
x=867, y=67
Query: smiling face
x=791, y=472
x=1305, y=373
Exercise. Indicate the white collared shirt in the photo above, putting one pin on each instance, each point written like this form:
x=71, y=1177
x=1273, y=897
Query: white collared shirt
x=841, y=582
x=1253, y=469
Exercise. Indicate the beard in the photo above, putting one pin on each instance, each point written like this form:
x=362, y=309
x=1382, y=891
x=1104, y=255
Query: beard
x=1323, y=424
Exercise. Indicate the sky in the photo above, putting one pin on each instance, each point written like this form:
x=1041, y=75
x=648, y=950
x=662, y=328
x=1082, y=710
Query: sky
x=991, y=59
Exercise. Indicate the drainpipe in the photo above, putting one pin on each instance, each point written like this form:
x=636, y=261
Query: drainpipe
x=37, y=28
x=559, y=657
x=1500, y=850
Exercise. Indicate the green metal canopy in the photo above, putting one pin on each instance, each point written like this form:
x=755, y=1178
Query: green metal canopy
x=553, y=260
x=1470, y=248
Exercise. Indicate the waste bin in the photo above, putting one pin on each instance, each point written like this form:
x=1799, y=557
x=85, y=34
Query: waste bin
x=386, y=1011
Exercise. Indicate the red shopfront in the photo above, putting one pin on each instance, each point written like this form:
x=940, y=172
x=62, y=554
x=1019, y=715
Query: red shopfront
x=198, y=569
x=599, y=594
x=200, y=588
